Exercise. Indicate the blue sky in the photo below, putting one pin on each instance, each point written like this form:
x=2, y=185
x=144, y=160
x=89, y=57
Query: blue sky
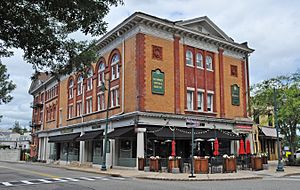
x=271, y=27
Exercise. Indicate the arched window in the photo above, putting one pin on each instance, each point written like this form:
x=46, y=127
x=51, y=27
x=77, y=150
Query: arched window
x=89, y=82
x=199, y=60
x=79, y=85
x=71, y=89
x=101, y=69
x=189, y=57
x=209, y=63
x=115, y=70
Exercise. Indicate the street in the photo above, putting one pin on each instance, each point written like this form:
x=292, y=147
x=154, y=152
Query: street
x=28, y=176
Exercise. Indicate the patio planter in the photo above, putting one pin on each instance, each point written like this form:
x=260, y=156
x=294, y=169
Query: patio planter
x=264, y=159
x=256, y=163
x=201, y=165
x=174, y=163
x=229, y=165
x=141, y=164
x=154, y=164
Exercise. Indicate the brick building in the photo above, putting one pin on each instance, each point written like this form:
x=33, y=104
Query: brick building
x=162, y=74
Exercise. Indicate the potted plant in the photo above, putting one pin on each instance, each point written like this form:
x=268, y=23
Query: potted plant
x=197, y=164
x=141, y=163
x=264, y=158
x=154, y=163
x=229, y=164
x=204, y=166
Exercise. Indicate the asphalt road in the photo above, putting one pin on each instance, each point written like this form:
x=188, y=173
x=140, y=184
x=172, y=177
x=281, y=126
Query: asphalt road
x=25, y=176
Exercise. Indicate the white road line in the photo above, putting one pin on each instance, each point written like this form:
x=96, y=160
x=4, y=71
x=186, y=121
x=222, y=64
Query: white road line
x=98, y=177
x=104, y=179
x=60, y=180
x=119, y=178
x=71, y=179
x=85, y=178
x=7, y=184
x=27, y=182
x=45, y=181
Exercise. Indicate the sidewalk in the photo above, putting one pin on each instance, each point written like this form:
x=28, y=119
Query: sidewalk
x=240, y=175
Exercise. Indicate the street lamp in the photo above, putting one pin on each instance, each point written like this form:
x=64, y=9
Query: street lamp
x=103, y=166
x=279, y=165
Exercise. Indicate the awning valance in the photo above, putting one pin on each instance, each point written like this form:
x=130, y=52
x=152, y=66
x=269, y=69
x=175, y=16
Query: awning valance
x=91, y=135
x=63, y=138
x=186, y=133
x=122, y=132
x=269, y=132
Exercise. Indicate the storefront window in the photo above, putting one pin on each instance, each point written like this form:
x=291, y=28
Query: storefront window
x=64, y=151
x=74, y=151
x=97, y=152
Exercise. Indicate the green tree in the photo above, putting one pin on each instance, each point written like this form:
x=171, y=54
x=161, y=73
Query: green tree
x=41, y=29
x=6, y=85
x=287, y=88
x=17, y=128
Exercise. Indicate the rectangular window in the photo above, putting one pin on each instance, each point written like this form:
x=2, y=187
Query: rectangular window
x=89, y=105
x=190, y=100
x=60, y=117
x=78, y=109
x=70, y=111
x=89, y=83
x=200, y=101
x=100, y=102
x=210, y=102
x=79, y=88
x=115, y=97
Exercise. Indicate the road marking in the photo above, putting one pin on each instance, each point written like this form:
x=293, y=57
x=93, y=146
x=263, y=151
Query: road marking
x=45, y=181
x=7, y=184
x=85, y=178
x=119, y=178
x=27, y=182
x=71, y=179
x=30, y=171
x=61, y=180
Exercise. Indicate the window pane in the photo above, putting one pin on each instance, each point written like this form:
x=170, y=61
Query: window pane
x=200, y=100
x=189, y=57
x=208, y=62
x=199, y=60
x=190, y=100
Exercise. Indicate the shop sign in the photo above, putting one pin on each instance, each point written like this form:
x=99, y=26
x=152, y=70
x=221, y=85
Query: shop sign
x=158, y=82
x=235, y=95
x=193, y=123
x=244, y=127
x=64, y=131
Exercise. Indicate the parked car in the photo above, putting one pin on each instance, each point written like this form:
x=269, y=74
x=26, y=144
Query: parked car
x=297, y=154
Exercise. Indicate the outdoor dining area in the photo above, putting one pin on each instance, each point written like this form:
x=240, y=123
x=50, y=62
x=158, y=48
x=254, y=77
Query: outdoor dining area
x=199, y=164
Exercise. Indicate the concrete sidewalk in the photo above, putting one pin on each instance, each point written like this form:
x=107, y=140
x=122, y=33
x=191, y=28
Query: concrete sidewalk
x=132, y=173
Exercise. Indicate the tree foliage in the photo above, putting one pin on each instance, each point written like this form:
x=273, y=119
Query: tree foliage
x=41, y=28
x=288, y=103
x=6, y=85
x=18, y=129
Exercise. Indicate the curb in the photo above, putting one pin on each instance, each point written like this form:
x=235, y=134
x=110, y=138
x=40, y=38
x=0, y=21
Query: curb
x=291, y=174
x=198, y=179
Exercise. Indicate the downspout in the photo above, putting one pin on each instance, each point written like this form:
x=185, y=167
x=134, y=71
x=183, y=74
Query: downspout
x=247, y=84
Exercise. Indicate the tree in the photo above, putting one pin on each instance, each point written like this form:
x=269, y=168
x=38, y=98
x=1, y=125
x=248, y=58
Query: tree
x=41, y=29
x=17, y=128
x=6, y=86
x=287, y=87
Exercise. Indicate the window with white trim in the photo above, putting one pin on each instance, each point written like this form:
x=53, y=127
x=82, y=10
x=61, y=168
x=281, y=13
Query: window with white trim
x=114, y=97
x=79, y=85
x=189, y=58
x=89, y=105
x=200, y=101
x=101, y=74
x=199, y=60
x=115, y=70
x=70, y=111
x=190, y=100
x=89, y=81
x=78, y=108
x=210, y=102
x=209, y=63
x=71, y=89
x=100, y=102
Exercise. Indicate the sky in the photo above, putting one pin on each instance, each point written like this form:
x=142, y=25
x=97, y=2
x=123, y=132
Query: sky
x=271, y=27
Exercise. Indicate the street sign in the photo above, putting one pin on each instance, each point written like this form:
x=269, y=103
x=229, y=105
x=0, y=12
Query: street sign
x=193, y=123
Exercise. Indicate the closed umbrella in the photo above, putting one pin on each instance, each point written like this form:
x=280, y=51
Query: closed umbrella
x=173, y=148
x=248, y=149
x=242, y=147
x=216, y=147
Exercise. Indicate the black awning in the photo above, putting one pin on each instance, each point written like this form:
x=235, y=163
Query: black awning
x=91, y=135
x=122, y=132
x=186, y=133
x=63, y=138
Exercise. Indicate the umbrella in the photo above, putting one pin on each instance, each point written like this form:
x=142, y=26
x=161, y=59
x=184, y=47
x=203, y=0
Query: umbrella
x=216, y=147
x=242, y=147
x=173, y=148
x=248, y=149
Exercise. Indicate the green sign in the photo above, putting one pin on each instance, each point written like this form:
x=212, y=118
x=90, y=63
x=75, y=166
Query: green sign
x=235, y=95
x=158, y=82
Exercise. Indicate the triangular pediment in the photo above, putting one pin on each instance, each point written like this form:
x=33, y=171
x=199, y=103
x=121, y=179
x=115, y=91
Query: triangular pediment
x=206, y=26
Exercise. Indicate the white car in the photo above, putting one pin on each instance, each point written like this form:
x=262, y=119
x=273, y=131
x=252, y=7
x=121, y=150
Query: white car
x=297, y=154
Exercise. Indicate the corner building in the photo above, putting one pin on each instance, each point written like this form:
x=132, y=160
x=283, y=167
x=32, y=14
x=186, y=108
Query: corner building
x=164, y=76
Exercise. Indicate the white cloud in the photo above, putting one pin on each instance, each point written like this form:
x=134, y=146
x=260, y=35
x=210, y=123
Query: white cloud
x=270, y=27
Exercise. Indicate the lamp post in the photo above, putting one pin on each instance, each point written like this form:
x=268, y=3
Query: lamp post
x=279, y=165
x=103, y=166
